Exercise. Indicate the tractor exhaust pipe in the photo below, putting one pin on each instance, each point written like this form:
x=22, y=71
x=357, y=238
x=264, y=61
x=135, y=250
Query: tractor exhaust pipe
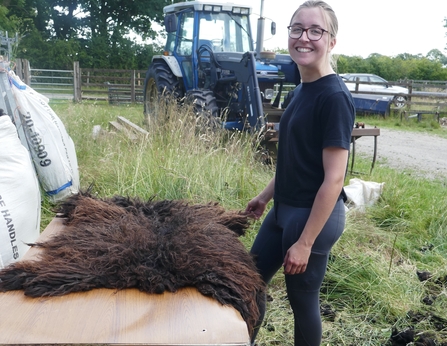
x=260, y=31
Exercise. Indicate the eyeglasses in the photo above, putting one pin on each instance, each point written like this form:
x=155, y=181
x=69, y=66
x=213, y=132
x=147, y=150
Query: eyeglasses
x=313, y=34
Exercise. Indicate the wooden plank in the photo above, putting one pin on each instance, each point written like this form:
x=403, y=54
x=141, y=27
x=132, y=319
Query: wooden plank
x=359, y=132
x=126, y=317
x=103, y=70
x=94, y=98
x=273, y=136
x=130, y=125
x=116, y=126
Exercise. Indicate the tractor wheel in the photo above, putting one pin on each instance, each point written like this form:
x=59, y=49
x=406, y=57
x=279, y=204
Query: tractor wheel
x=205, y=107
x=160, y=82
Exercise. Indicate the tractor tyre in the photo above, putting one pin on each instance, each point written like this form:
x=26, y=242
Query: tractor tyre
x=205, y=107
x=160, y=83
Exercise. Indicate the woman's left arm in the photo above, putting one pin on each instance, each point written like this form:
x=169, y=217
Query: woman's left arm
x=334, y=164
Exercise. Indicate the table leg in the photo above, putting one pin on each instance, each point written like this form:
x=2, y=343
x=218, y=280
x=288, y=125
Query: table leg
x=374, y=155
x=353, y=154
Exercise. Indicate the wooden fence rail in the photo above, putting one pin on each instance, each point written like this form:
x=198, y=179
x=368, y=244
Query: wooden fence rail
x=114, y=86
x=126, y=86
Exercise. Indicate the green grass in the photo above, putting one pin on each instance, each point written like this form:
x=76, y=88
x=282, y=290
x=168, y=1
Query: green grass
x=371, y=283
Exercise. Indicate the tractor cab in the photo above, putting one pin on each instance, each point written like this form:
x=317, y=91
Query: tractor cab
x=209, y=59
x=197, y=30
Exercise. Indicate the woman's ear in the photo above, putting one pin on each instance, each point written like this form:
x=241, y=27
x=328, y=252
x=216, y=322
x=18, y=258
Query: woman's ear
x=332, y=44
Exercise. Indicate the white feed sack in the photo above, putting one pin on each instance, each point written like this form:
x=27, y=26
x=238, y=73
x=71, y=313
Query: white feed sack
x=362, y=194
x=19, y=196
x=51, y=148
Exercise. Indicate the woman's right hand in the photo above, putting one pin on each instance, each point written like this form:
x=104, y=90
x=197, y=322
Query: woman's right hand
x=255, y=208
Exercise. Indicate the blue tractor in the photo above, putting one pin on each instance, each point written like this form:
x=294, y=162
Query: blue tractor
x=209, y=60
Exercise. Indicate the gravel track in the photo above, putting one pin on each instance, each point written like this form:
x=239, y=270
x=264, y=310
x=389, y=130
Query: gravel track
x=421, y=154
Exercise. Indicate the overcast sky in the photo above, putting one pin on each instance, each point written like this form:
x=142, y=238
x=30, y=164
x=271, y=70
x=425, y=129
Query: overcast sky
x=387, y=27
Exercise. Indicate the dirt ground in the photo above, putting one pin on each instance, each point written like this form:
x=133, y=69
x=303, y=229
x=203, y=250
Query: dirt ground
x=416, y=153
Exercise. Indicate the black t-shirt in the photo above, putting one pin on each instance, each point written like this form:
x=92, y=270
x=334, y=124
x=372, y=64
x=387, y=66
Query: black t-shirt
x=320, y=115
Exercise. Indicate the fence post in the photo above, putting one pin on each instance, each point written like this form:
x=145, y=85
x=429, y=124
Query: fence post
x=133, y=97
x=8, y=104
x=77, y=82
x=410, y=90
x=19, y=69
x=23, y=71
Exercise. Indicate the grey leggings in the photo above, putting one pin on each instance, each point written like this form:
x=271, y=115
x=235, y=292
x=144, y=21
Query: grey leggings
x=281, y=228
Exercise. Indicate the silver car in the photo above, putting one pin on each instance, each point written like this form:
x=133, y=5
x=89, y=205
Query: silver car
x=375, y=84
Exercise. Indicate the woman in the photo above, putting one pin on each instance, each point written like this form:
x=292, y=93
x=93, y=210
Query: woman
x=308, y=215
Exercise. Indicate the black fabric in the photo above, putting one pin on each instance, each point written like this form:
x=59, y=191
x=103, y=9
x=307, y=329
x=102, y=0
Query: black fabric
x=320, y=115
x=281, y=228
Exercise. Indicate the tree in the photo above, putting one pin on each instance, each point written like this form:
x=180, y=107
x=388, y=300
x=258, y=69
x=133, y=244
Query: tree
x=8, y=18
x=408, y=56
x=49, y=54
x=346, y=64
x=436, y=55
x=445, y=26
x=95, y=18
x=97, y=29
x=12, y=22
x=5, y=24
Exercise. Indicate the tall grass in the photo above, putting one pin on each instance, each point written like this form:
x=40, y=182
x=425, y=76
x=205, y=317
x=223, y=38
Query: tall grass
x=177, y=160
x=371, y=285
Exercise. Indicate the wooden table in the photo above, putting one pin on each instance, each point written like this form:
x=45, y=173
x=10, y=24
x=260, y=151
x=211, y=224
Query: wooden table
x=126, y=317
x=361, y=132
x=272, y=136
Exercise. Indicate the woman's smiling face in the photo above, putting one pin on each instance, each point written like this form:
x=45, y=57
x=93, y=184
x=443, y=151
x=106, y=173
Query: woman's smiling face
x=311, y=54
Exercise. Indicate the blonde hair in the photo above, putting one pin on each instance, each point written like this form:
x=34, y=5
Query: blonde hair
x=330, y=19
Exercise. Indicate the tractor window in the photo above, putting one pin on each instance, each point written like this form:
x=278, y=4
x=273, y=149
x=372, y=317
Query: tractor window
x=226, y=32
x=170, y=42
x=186, y=34
x=240, y=28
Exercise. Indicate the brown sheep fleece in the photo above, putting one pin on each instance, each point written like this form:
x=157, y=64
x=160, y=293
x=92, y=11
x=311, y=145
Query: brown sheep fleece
x=155, y=246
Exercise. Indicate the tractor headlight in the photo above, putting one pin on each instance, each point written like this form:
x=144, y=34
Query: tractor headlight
x=241, y=10
x=268, y=94
x=212, y=8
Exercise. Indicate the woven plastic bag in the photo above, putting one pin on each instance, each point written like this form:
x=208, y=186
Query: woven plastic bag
x=20, y=196
x=362, y=194
x=52, y=149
